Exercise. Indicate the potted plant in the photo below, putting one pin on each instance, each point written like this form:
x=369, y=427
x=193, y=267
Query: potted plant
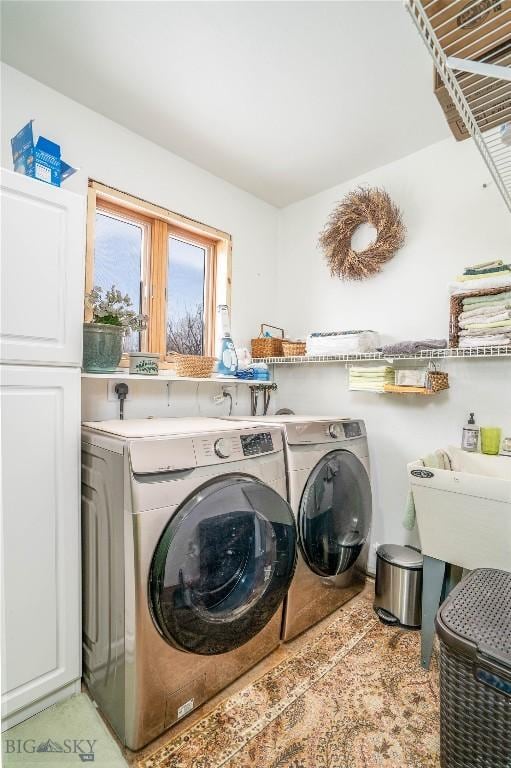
x=112, y=319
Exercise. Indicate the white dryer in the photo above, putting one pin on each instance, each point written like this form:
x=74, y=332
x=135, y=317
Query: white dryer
x=189, y=548
x=330, y=494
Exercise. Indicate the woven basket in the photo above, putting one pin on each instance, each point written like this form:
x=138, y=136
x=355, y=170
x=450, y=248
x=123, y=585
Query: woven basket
x=438, y=380
x=267, y=346
x=457, y=309
x=293, y=348
x=475, y=672
x=194, y=365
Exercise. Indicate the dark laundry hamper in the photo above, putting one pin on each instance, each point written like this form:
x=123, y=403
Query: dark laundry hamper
x=474, y=627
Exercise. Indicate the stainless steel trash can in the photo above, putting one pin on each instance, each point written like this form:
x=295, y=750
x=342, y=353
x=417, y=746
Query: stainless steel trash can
x=398, y=588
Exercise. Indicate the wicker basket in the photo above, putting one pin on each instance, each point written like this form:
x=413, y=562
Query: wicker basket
x=267, y=346
x=293, y=348
x=438, y=380
x=194, y=365
x=457, y=309
x=475, y=672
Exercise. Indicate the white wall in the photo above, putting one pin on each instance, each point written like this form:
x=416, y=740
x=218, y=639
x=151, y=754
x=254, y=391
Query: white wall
x=109, y=153
x=452, y=221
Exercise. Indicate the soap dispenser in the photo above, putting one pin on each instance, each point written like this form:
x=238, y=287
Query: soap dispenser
x=227, y=359
x=470, y=437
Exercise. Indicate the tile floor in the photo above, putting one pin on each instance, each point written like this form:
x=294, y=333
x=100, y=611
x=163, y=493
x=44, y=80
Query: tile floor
x=56, y=737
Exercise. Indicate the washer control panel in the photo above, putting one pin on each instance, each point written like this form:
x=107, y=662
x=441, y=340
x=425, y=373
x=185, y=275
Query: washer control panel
x=219, y=448
x=223, y=447
x=254, y=444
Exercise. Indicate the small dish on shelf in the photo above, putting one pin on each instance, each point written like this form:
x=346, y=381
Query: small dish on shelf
x=145, y=363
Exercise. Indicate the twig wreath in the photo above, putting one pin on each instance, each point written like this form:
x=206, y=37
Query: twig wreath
x=363, y=205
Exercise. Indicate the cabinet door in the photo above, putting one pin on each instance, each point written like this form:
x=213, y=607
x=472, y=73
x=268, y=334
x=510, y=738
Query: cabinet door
x=42, y=272
x=41, y=545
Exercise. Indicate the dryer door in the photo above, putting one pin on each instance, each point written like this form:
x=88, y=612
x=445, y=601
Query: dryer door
x=335, y=513
x=223, y=565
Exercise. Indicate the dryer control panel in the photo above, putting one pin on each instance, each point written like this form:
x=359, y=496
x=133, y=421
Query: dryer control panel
x=322, y=431
x=352, y=429
x=253, y=445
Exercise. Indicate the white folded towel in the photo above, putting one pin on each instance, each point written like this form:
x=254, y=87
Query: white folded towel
x=500, y=340
x=342, y=343
x=491, y=331
x=484, y=282
x=371, y=379
x=478, y=319
x=489, y=309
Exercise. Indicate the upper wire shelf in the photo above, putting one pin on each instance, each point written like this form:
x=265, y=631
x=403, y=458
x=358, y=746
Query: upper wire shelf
x=426, y=354
x=470, y=44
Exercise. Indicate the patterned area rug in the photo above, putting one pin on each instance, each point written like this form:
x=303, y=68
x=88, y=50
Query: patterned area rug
x=353, y=697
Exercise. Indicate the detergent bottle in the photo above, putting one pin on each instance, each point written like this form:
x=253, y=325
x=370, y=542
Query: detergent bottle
x=227, y=359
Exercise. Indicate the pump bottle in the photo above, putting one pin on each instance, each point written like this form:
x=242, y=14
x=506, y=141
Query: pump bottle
x=470, y=436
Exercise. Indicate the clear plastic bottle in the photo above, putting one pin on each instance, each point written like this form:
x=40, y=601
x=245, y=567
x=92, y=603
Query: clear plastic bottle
x=470, y=436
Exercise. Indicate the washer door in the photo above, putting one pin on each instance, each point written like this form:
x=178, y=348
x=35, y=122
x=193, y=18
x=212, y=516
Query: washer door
x=335, y=513
x=223, y=565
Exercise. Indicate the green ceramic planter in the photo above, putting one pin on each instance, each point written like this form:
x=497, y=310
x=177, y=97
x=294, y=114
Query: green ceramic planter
x=102, y=347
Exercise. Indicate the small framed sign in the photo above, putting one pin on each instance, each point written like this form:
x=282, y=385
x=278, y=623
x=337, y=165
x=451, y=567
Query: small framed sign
x=272, y=330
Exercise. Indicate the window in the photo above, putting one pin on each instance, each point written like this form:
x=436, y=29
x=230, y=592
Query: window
x=119, y=258
x=187, y=265
x=174, y=270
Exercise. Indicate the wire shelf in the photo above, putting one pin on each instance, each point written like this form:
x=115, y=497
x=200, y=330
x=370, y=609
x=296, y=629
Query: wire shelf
x=426, y=354
x=475, y=67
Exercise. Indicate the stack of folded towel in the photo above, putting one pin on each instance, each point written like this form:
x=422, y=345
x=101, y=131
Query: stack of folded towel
x=490, y=274
x=486, y=321
x=372, y=379
x=487, y=269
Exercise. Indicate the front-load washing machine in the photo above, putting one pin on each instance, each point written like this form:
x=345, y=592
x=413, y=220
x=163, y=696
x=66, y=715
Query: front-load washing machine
x=330, y=494
x=189, y=547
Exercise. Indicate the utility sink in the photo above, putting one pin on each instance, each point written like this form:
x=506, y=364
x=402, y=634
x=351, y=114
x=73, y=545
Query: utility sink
x=464, y=515
x=464, y=519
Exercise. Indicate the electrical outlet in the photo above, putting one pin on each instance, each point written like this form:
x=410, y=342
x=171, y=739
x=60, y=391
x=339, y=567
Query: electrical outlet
x=111, y=393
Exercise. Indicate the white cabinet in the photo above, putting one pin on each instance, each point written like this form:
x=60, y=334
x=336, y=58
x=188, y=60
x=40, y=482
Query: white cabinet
x=42, y=272
x=41, y=600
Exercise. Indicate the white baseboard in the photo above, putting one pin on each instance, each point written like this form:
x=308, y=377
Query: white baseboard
x=37, y=706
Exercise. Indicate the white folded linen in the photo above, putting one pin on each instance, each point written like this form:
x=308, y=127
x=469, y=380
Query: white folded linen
x=357, y=342
x=491, y=331
x=499, y=340
x=475, y=286
x=372, y=379
x=478, y=319
x=483, y=310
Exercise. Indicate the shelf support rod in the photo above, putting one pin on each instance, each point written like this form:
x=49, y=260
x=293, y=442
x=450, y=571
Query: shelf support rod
x=479, y=68
x=427, y=33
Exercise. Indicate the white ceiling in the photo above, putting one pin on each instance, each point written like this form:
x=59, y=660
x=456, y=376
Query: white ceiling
x=283, y=99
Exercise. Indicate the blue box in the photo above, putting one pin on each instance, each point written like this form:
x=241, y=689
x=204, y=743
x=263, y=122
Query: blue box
x=40, y=161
